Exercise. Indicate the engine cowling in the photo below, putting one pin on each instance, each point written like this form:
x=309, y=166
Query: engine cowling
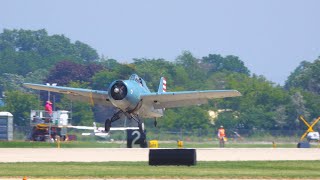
x=118, y=90
x=123, y=95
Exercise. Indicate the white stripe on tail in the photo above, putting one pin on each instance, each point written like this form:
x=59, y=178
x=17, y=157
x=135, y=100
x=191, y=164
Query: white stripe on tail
x=162, y=85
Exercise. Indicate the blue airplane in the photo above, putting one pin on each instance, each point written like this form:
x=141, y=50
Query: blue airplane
x=133, y=98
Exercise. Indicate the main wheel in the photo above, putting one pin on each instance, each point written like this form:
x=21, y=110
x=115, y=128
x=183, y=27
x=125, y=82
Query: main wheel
x=143, y=142
x=107, y=125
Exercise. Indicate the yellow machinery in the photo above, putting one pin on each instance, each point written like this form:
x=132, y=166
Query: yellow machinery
x=47, y=128
x=180, y=144
x=310, y=127
x=153, y=144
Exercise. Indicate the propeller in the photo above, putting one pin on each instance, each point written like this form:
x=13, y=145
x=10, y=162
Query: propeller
x=119, y=90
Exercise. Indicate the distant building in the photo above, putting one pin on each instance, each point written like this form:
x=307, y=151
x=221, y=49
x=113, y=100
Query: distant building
x=6, y=126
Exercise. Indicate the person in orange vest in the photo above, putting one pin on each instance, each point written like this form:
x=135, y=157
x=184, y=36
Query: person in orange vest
x=221, y=136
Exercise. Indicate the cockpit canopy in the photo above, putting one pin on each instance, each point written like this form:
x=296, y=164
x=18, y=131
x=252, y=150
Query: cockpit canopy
x=136, y=78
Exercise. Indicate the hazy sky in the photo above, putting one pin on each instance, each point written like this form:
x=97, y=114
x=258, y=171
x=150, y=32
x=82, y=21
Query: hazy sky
x=272, y=37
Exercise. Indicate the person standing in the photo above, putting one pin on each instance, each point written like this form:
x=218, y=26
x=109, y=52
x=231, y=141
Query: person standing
x=221, y=136
x=48, y=109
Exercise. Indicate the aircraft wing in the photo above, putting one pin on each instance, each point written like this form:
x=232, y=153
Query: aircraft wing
x=185, y=98
x=93, y=96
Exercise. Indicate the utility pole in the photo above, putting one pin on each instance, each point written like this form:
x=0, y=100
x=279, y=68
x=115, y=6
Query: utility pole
x=53, y=84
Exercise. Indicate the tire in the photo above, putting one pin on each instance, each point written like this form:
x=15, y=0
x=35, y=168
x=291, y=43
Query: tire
x=107, y=125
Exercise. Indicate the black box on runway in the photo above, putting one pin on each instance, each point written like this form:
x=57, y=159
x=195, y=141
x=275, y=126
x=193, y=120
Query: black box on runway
x=186, y=157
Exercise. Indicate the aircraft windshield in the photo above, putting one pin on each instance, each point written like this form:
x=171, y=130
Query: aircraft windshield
x=136, y=78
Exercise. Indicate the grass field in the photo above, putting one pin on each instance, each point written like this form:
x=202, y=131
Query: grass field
x=247, y=169
x=103, y=144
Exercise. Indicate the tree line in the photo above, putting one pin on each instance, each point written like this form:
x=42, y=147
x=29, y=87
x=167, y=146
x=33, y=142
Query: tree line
x=36, y=57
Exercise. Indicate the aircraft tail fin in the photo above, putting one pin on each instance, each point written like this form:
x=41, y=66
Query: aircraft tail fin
x=162, y=88
x=162, y=85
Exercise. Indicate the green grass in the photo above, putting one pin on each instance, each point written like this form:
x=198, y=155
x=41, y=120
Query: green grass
x=244, y=169
x=71, y=144
x=95, y=144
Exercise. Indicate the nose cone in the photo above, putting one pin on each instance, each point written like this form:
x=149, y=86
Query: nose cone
x=116, y=90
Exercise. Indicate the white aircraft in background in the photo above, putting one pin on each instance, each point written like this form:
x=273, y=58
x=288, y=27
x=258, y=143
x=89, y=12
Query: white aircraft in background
x=100, y=131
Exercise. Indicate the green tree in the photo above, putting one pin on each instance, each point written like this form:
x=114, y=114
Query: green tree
x=103, y=79
x=215, y=63
x=312, y=103
x=9, y=82
x=82, y=113
x=260, y=102
x=187, y=118
x=38, y=76
x=306, y=76
x=191, y=64
x=20, y=104
x=152, y=69
x=66, y=71
x=24, y=51
x=87, y=53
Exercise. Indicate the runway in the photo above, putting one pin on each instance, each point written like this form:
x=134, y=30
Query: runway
x=137, y=154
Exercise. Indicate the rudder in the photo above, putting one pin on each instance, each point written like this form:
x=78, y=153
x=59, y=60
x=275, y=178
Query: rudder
x=162, y=85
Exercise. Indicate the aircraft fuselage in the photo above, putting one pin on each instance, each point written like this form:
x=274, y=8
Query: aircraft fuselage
x=126, y=95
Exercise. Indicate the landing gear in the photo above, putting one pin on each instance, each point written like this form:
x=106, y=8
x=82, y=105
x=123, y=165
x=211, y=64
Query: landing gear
x=138, y=120
x=116, y=116
x=107, y=124
x=143, y=143
x=141, y=126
